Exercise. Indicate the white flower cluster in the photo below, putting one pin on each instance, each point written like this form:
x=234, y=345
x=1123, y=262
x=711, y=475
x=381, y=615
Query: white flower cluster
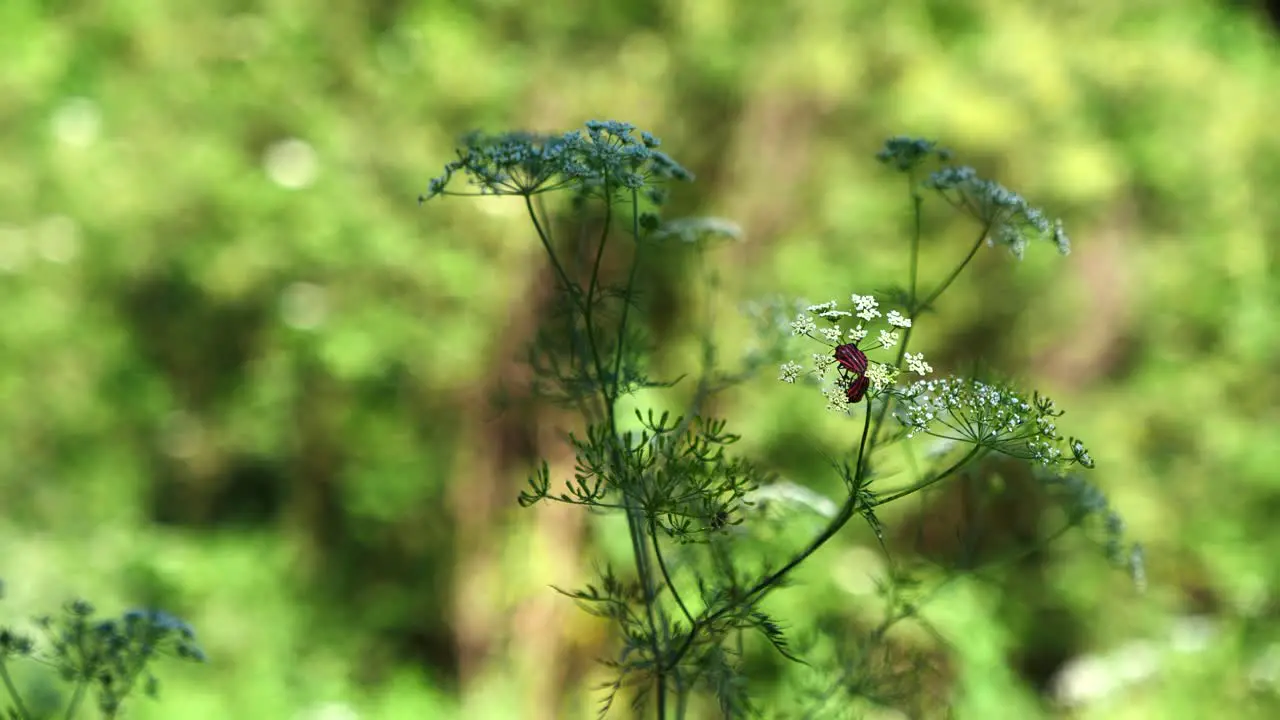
x=989, y=415
x=866, y=309
x=790, y=371
x=917, y=364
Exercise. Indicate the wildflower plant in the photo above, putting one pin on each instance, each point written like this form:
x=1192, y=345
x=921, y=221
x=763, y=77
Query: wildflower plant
x=104, y=661
x=691, y=594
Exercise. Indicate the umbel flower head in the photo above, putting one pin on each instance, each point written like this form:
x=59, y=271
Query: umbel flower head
x=1010, y=220
x=990, y=415
x=857, y=375
x=1013, y=222
x=609, y=156
x=906, y=154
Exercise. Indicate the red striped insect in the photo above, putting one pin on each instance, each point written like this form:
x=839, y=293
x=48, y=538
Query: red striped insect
x=852, y=360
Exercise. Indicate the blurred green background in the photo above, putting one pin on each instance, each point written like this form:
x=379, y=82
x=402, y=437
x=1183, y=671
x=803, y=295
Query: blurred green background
x=246, y=377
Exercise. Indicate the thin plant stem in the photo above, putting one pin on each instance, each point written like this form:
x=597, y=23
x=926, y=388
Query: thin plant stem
x=612, y=391
x=916, y=203
x=626, y=297
x=609, y=391
x=76, y=699
x=13, y=692
x=969, y=456
x=545, y=237
x=666, y=574
x=954, y=273
x=917, y=223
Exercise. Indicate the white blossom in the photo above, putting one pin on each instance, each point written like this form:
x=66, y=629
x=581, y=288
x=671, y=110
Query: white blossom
x=866, y=305
x=790, y=371
x=917, y=364
x=881, y=376
x=803, y=325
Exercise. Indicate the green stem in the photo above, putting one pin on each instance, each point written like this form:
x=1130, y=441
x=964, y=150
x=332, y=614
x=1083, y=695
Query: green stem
x=917, y=202
x=916, y=309
x=594, y=282
x=609, y=391
x=666, y=575
x=954, y=273
x=631, y=284
x=76, y=699
x=13, y=692
x=545, y=237
x=931, y=481
x=636, y=521
x=575, y=294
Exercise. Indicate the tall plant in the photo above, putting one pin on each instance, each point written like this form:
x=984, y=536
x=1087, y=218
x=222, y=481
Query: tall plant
x=683, y=607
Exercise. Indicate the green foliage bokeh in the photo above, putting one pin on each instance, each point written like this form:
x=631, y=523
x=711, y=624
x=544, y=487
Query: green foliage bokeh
x=246, y=377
